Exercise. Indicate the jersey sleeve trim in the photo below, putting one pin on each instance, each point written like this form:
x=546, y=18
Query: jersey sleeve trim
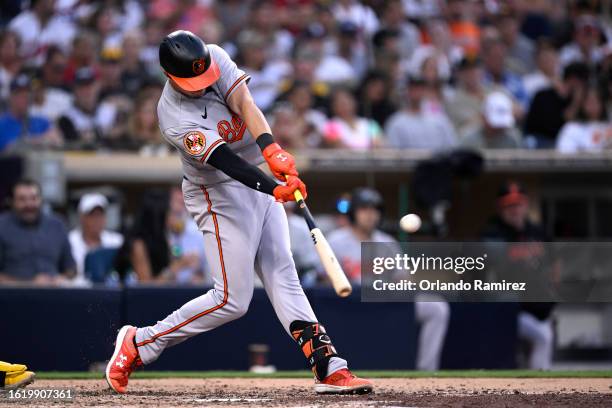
x=235, y=84
x=211, y=149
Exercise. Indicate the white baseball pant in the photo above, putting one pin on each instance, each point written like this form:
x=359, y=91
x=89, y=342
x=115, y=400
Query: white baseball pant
x=245, y=232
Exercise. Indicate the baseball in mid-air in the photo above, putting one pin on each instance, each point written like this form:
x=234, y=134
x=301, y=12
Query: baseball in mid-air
x=410, y=223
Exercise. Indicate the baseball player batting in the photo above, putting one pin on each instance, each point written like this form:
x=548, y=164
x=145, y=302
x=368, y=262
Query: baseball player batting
x=206, y=111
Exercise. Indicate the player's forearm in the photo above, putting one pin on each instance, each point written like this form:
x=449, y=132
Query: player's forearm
x=222, y=158
x=243, y=104
x=256, y=121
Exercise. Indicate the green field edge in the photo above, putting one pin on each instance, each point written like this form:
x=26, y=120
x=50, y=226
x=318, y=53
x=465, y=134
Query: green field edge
x=63, y=375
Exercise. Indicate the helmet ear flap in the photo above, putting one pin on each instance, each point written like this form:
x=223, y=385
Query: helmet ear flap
x=364, y=197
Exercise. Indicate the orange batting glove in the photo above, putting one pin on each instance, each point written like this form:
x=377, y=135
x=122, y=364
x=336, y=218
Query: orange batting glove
x=284, y=193
x=280, y=162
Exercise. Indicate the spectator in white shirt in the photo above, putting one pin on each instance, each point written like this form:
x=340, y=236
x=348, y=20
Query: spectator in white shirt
x=86, y=121
x=585, y=47
x=343, y=59
x=354, y=12
x=51, y=100
x=39, y=27
x=91, y=234
x=266, y=75
x=347, y=45
x=592, y=132
x=412, y=128
x=422, y=9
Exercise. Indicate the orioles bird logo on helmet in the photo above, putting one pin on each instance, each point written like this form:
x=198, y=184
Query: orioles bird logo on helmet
x=198, y=66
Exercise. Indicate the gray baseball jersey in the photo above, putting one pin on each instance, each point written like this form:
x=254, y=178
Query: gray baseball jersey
x=245, y=231
x=196, y=126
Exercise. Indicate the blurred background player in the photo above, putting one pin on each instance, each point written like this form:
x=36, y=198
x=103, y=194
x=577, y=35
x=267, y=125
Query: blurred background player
x=512, y=224
x=238, y=211
x=365, y=213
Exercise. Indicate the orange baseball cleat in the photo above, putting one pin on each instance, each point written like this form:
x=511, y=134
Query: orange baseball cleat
x=124, y=360
x=343, y=382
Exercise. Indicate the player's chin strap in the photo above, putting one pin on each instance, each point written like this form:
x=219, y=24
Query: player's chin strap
x=315, y=345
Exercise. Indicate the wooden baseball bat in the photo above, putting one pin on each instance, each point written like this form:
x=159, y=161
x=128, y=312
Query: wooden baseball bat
x=341, y=284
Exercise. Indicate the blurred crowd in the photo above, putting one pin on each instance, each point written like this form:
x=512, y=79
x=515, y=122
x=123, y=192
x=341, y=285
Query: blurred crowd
x=415, y=74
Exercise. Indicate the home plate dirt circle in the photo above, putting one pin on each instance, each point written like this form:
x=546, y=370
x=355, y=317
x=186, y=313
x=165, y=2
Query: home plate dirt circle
x=389, y=392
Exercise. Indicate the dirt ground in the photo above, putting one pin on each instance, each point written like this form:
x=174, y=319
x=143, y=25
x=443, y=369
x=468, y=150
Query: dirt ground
x=421, y=392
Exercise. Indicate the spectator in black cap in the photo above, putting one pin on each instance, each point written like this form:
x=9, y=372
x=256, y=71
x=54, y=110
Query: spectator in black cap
x=18, y=125
x=362, y=16
x=387, y=39
x=552, y=107
x=52, y=99
x=87, y=121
